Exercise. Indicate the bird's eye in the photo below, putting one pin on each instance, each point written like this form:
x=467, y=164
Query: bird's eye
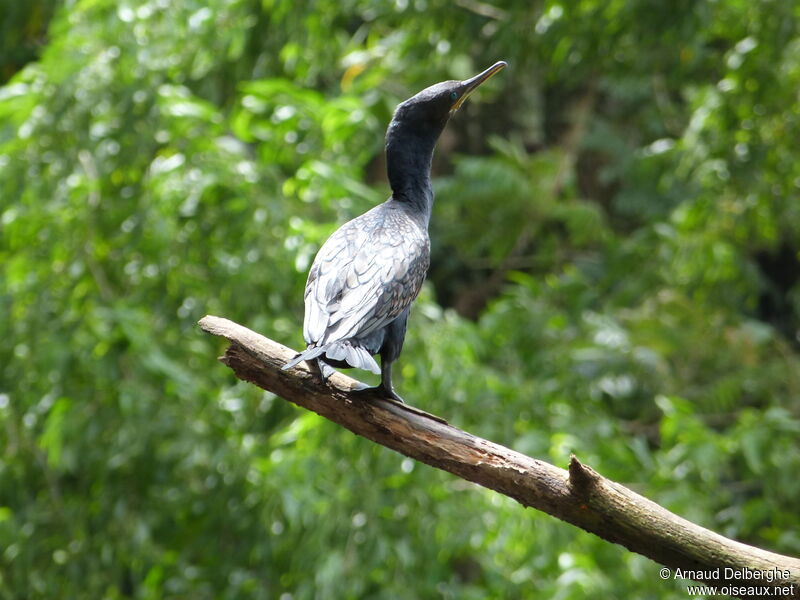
x=453, y=95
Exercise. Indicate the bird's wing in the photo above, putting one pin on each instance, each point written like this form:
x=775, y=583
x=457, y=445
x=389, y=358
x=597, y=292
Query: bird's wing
x=366, y=274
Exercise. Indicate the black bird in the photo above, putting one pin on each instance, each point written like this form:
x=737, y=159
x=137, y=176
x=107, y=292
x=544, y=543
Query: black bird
x=365, y=277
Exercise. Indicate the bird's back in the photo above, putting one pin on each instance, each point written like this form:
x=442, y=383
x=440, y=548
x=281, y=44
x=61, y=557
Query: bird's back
x=366, y=274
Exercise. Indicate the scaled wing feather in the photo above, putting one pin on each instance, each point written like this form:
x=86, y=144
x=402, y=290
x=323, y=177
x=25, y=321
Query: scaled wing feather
x=364, y=276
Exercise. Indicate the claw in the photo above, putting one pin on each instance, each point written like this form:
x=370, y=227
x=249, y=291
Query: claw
x=378, y=390
x=381, y=393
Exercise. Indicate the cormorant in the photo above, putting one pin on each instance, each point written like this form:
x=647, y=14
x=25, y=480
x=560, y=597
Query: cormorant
x=367, y=274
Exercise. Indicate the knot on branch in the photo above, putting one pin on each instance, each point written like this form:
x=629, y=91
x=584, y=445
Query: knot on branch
x=581, y=478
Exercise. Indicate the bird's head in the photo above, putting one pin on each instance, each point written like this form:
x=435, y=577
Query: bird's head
x=434, y=105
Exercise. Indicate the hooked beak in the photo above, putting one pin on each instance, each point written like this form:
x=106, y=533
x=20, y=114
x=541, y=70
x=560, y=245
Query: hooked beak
x=468, y=86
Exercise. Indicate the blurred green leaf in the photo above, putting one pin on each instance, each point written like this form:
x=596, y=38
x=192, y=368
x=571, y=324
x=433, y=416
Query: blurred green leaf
x=615, y=274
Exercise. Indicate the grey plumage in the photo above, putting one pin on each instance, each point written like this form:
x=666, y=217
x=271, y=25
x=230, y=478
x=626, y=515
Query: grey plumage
x=363, y=279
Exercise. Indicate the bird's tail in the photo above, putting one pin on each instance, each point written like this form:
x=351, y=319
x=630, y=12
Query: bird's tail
x=309, y=354
x=343, y=351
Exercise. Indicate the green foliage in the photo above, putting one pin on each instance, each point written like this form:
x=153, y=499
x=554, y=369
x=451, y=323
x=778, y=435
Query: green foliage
x=620, y=225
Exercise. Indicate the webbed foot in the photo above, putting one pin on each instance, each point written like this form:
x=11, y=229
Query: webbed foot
x=321, y=370
x=379, y=391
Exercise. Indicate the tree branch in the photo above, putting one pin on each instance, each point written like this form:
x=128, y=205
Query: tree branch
x=579, y=496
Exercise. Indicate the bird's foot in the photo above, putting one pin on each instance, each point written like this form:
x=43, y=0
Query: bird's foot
x=320, y=370
x=379, y=392
x=390, y=393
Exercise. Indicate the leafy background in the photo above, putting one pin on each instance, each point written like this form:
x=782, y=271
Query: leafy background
x=616, y=272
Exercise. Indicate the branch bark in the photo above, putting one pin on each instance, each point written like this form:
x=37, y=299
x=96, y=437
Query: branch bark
x=579, y=496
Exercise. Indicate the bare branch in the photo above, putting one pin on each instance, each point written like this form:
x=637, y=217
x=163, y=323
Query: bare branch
x=579, y=496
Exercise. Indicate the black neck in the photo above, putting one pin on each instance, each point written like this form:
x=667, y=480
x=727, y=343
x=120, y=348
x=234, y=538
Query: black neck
x=409, y=152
